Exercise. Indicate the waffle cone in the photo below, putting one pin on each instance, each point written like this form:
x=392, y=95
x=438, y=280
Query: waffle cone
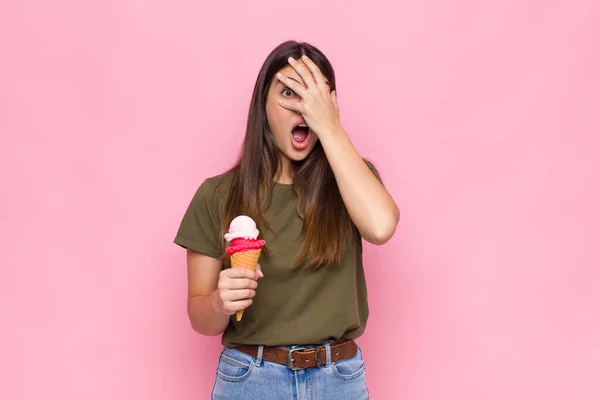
x=248, y=260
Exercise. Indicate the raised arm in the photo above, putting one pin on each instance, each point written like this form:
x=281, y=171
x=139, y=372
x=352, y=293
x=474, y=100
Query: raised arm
x=369, y=204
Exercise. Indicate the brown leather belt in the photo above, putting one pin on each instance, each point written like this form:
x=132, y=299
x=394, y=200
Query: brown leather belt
x=301, y=358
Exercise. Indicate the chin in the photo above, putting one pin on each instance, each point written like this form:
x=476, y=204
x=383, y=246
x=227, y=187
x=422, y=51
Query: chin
x=296, y=155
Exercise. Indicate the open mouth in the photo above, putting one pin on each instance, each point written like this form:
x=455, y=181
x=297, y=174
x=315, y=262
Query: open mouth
x=300, y=135
x=300, y=132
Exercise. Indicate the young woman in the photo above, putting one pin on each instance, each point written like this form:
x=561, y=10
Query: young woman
x=314, y=199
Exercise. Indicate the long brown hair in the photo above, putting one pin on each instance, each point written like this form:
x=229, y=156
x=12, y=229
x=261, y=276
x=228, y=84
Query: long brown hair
x=327, y=228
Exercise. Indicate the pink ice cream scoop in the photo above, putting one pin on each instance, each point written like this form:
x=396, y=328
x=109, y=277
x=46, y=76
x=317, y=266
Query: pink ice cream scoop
x=243, y=235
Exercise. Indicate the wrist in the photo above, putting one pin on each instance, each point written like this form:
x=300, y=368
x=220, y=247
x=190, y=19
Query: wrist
x=217, y=304
x=334, y=132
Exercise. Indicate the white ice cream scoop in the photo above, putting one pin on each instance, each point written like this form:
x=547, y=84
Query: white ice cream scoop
x=242, y=226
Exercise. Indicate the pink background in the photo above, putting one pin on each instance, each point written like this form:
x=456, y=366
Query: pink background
x=482, y=116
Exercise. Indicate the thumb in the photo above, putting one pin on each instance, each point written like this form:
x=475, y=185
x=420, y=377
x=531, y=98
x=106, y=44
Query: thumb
x=259, y=272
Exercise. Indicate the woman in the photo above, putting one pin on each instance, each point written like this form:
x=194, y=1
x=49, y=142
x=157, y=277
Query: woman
x=313, y=198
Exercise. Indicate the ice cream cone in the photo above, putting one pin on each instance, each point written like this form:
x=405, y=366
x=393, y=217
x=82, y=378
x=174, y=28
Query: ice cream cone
x=248, y=260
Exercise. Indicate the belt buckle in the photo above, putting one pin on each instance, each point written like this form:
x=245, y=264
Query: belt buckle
x=291, y=359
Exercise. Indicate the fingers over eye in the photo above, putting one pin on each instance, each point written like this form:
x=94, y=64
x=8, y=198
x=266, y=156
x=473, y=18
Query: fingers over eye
x=292, y=84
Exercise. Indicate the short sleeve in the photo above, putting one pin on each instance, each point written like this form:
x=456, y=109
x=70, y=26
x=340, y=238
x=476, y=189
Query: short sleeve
x=374, y=170
x=200, y=226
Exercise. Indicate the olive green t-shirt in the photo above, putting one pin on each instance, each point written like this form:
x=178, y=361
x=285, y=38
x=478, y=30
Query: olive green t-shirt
x=292, y=305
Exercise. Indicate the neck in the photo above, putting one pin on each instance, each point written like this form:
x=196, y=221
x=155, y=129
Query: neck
x=285, y=176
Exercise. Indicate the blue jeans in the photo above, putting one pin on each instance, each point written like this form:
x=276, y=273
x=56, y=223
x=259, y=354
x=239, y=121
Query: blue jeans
x=243, y=377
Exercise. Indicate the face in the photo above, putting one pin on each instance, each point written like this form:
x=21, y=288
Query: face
x=283, y=121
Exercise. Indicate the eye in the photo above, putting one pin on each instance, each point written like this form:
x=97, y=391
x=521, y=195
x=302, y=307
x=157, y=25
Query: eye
x=287, y=92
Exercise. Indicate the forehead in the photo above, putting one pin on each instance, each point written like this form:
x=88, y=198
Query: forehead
x=288, y=70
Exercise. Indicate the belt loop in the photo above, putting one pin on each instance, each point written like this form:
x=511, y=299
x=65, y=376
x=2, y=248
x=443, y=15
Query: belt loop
x=259, y=355
x=328, y=352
